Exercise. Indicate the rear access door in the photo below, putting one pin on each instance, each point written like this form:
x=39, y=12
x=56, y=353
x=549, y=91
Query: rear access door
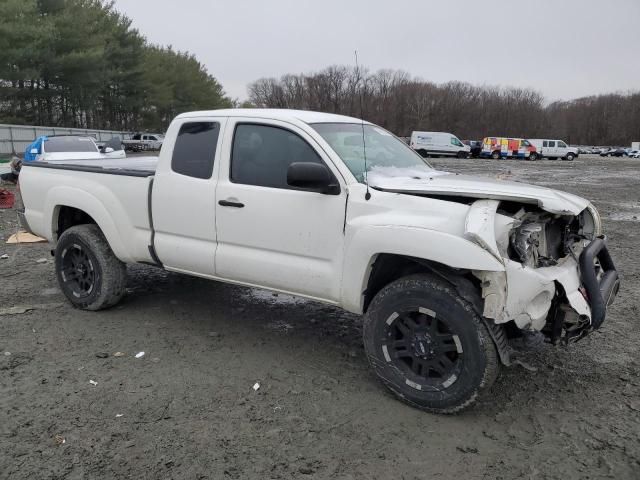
x=183, y=204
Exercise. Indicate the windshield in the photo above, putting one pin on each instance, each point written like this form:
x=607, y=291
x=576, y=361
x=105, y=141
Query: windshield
x=69, y=144
x=383, y=149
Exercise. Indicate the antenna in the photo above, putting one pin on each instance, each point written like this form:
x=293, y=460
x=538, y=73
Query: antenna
x=367, y=195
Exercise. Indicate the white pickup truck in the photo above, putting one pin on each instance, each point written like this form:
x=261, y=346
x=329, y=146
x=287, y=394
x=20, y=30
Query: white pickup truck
x=446, y=268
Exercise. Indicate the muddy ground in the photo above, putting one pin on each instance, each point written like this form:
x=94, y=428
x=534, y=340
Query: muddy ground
x=187, y=409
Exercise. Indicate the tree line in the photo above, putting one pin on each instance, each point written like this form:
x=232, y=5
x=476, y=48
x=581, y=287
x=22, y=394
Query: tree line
x=401, y=103
x=80, y=63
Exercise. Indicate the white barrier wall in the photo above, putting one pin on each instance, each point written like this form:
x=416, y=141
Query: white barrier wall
x=14, y=139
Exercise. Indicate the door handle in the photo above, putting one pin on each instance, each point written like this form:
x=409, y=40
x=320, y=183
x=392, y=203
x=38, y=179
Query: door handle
x=227, y=203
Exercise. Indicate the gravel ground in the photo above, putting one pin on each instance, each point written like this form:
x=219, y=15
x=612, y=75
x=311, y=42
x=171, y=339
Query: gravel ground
x=187, y=408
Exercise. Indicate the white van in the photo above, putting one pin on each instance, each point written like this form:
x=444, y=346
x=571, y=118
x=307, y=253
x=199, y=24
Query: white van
x=438, y=144
x=554, y=149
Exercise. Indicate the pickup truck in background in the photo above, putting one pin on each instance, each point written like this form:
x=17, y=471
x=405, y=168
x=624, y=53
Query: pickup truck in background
x=445, y=268
x=143, y=142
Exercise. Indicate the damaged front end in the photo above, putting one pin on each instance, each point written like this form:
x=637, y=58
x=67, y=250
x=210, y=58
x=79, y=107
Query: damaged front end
x=559, y=277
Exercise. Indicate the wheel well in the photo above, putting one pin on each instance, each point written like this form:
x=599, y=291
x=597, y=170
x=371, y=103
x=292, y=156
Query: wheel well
x=390, y=267
x=69, y=217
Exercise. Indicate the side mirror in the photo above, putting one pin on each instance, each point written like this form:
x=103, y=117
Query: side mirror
x=312, y=176
x=34, y=151
x=109, y=150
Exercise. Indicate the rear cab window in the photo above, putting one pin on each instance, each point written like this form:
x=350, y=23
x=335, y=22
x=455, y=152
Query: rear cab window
x=195, y=149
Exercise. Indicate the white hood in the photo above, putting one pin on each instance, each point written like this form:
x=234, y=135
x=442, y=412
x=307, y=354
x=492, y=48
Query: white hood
x=434, y=182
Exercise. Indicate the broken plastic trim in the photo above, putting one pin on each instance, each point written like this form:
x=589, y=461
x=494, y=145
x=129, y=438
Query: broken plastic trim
x=600, y=292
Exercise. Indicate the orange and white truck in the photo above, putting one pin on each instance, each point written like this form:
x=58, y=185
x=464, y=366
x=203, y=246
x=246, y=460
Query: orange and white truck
x=504, y=147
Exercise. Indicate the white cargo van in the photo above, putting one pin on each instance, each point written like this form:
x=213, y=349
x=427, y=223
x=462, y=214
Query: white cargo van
x=438, y=144
x=554, y=149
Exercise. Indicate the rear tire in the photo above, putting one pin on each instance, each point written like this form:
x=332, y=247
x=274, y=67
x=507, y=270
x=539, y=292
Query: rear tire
x=496, y=155
x=423, y=153
x=428, y=345
x=88, y=272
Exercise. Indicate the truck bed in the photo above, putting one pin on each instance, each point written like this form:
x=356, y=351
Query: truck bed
x=115, y=193
x=131, y=166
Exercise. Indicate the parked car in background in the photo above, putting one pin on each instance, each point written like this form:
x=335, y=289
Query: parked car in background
x=554, y=149
x=438, y=144
x=614, y=152
x=504, y=147
x=634, y=154
x=605, y=151
x=79, y=147
x=475, y=147
x=143, y=142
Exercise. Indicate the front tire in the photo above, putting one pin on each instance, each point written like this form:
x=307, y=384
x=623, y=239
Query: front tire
x=496, y=155
x=428, y=345
x=88, y=272
x=462, y=155
x=533, y=157
x=570, y=157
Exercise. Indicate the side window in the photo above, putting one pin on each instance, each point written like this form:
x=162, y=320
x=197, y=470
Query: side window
x=552, y=144
x=262, y=154
x=456, y=142
x=545, y=144
x=562, y=145
x=195, y=149
x=135, y=137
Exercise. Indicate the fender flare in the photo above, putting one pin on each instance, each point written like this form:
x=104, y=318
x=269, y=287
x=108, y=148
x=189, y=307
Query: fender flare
x=370, y=241
x=64, y=196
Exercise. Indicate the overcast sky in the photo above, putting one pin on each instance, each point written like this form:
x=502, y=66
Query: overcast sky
x=563, y=48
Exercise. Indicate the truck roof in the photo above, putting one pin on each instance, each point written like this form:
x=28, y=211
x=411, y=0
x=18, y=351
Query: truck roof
x=305, y=116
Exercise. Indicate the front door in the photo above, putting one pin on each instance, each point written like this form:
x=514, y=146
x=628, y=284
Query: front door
x=270, y=234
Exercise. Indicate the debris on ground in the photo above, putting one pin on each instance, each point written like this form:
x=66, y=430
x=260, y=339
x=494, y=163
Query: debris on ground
x=467, y=449
x=4, y=256
x=59, y=440
x=20, y=309
x=139, y=354
x=42, y=260
x=25, y=237
x=102, y=355
x=118, y=415
x=256, y=386
x=93, y=382
x=119, y=354
x=7, y=354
